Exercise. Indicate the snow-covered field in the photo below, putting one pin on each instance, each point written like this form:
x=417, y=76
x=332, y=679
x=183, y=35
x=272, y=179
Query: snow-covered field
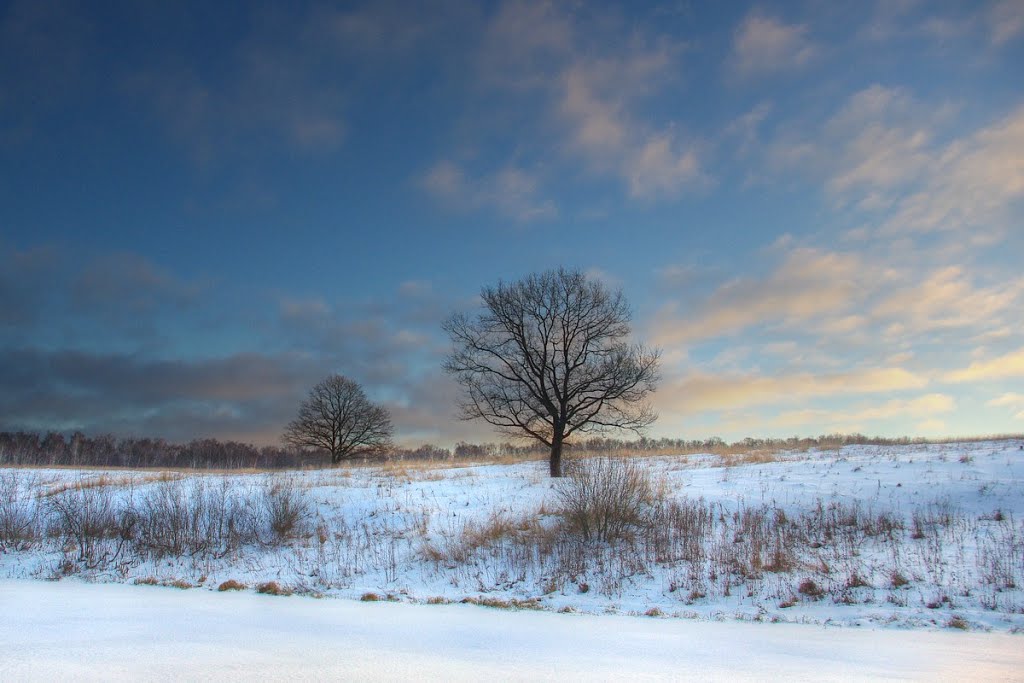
x=922, y=537
x=74, y=631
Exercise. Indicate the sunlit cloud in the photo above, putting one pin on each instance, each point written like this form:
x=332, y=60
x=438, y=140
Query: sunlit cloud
x=926, y=407
x=1001, y=367
x=809, y=284
x=948, y=299
x=699, y=392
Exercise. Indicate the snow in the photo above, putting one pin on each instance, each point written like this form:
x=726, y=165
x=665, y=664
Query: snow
x=396, y=531
x=74, y=630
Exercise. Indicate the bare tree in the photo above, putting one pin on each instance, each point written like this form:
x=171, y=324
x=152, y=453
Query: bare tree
x=338, y=418
x=549, y=357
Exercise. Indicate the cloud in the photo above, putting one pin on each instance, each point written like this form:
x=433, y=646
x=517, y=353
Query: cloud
x=234, y=394
x=883, y=136
x=582, y=75
x=127, y=284
x=1011, y=400
x=809, y=284
x=22, y=277
x=946, y=299
x=1002, y=367
x=970, y=185
x=1006, y=21
x=510, y=190
x=700, y=392
x=764, y=45
x=597, y=102
x=926, y=407
x=659, y=169
x=896, y=162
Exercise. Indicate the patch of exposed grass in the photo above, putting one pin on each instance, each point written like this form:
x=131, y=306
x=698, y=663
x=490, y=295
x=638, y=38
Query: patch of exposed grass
x=231, y=585
x=272, y=588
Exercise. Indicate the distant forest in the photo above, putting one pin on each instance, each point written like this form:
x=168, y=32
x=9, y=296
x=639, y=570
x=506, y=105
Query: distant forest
x=78, y=450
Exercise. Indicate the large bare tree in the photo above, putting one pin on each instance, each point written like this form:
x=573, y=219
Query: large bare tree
x=549, y=357
x=339, y=419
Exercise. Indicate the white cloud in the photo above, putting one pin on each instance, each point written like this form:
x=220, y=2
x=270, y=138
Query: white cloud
x=764, y=45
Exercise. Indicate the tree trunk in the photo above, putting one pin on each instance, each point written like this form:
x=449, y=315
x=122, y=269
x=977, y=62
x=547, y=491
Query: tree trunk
x=556, y=454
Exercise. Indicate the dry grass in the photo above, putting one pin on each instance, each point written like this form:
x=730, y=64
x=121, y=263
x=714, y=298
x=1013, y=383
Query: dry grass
x=958, y=623
x=272, y=588
x=738, y=459
x=231, y=585
x=499, y=603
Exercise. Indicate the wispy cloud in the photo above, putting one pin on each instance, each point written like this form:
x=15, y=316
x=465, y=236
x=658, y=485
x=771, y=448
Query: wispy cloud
x=764, y=45
x=586, y=87
x=891, y=157
x=927, y=408
x=513, y=191
x=1011, y=400
x=808, y=284
x=947, y=298
x=701, y=392
x=969, y=186
x=1006, y=21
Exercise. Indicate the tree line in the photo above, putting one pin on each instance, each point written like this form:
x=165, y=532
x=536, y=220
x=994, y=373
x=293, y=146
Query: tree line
x=53, y=449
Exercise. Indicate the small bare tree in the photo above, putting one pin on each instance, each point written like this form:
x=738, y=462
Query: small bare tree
x=549, y=357
x=339, y=419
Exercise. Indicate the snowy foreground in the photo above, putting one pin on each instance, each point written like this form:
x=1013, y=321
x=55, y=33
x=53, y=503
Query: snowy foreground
x=867, y=562
x=71, y=630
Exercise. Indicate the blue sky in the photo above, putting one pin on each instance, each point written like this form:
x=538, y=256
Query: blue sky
x=815, y=209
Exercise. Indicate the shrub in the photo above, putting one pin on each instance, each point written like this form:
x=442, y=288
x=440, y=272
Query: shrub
x=85, y=517
x=18, y=517
x=605, y=498
x=186, y=519
x=287, y=508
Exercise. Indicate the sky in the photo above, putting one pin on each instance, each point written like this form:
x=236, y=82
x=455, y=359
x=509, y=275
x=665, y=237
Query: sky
x=815, y=210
